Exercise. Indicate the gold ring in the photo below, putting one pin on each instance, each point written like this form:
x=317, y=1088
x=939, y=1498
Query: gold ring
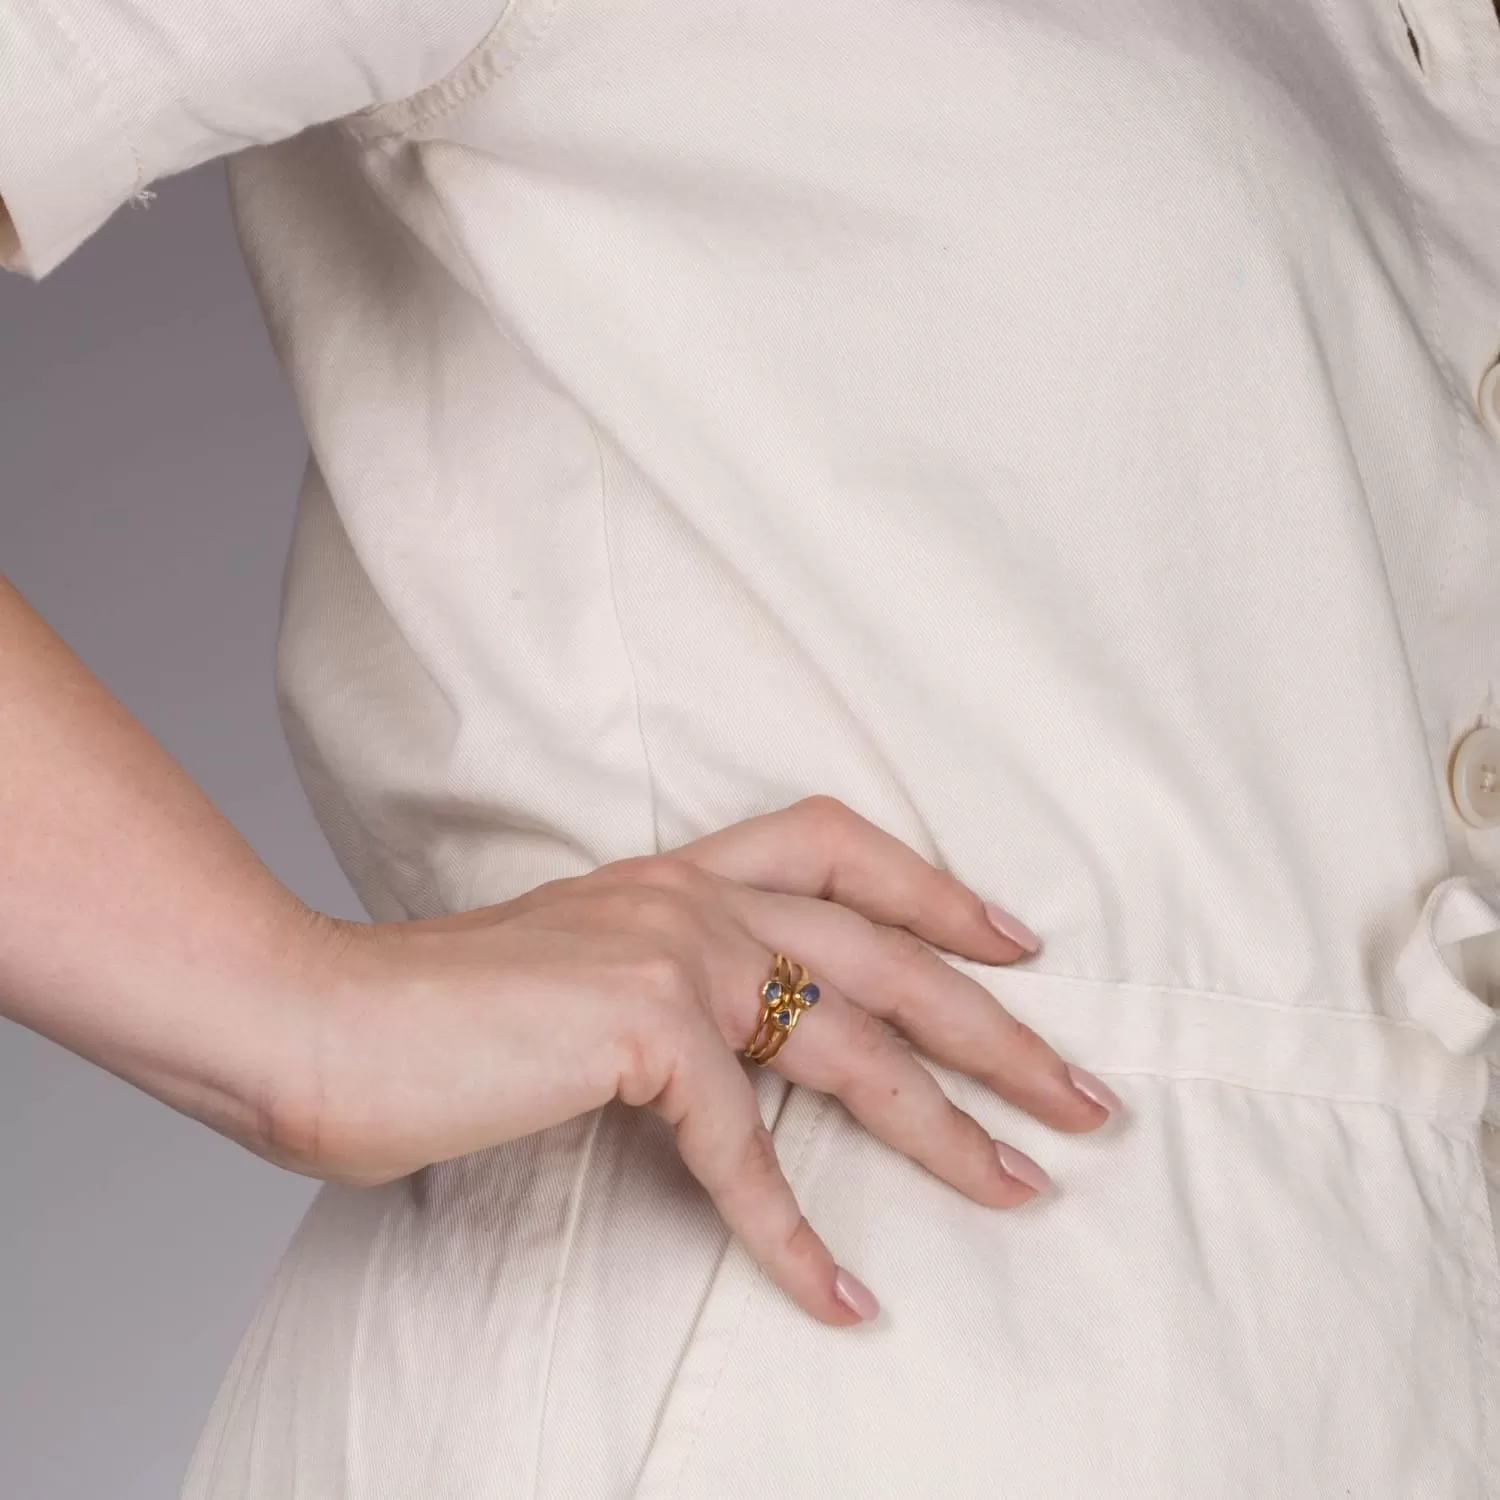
x=782, y=1000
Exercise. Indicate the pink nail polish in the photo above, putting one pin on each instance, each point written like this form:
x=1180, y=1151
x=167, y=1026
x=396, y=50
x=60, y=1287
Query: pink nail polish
x=1093, y=1089
x=1020, y=1166
x=855, y=1295
x=1011, y=927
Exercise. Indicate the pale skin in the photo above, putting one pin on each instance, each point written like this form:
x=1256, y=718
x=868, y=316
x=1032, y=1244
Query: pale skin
x=140, y=930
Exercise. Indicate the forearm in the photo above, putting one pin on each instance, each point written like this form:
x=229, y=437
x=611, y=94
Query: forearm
x=137, y=927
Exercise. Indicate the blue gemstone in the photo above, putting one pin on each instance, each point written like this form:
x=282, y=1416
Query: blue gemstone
x=808, y=994
x=783, y=1018
x=772, y=991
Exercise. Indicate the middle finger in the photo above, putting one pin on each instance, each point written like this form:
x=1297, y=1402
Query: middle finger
x=847, y=1052
x=948, y=1015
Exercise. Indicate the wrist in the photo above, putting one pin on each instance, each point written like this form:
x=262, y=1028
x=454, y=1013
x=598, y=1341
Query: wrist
x=242, y=1056
x=287, y=1099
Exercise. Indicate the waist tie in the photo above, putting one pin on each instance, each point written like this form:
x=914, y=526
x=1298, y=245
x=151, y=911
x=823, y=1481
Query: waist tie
x=1436, y=1061
x=1457, y=909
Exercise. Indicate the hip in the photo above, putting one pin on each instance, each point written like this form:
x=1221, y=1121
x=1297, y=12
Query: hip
x=1277, y=1274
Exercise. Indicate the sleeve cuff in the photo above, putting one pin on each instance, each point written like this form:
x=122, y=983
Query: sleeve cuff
x=66, y=163
x=99, y=98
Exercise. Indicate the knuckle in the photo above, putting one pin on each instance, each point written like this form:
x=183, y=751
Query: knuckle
x=758, y=1164
x=1024, y=1041
x=663, y=913
x=903, y=947
x=605, y=902
x=607, y=876
x=802, y=1243
x=1028, y=1047
x=825, y=816
x=870, y=1041
x=667, y=872
x=967, y=1132
x=662, y=977
x=641, y=871
x=643, y=1064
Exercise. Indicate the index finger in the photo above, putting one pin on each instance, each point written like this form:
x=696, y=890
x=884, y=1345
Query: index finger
x=819, y=847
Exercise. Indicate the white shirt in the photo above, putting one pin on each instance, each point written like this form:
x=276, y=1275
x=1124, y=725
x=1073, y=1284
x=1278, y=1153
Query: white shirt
x=1068, y=434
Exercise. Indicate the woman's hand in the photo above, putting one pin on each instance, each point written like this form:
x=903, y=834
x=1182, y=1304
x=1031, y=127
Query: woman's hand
x=640, y=981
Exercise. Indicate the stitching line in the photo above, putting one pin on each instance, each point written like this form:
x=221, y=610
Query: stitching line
x=630, y=662
x=476, y=73
x=1199, y=1075
x=482, y=295
x=1021, y=978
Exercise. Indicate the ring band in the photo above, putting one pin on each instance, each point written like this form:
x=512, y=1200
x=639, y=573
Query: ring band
x=782, y=1001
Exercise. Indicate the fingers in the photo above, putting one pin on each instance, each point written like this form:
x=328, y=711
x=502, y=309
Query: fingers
x=717, y=930
x=819, y=847
x=946, y=1014
x=725, y=1145
x=841, y=1049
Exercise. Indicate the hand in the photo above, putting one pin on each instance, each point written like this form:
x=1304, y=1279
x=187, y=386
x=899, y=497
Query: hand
x=640, y=981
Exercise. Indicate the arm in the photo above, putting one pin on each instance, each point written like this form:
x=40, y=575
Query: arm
x=139, y=930
x=137, y=927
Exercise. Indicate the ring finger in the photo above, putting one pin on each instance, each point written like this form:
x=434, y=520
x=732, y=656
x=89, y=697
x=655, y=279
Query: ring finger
x=843, y=1050
x=946, y=1014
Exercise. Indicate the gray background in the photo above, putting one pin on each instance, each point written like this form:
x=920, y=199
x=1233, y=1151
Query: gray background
x=149, y=460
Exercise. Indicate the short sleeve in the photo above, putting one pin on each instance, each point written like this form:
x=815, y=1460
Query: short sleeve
x=99, y=98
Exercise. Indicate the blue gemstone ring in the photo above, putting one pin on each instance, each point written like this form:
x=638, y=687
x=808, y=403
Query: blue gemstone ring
x=783, y=998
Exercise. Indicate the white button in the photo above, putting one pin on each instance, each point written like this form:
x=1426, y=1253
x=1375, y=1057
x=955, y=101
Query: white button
x=1489, y=399
x=1474, y=777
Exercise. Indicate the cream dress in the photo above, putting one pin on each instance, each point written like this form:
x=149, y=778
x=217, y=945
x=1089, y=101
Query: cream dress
x=1068, y=433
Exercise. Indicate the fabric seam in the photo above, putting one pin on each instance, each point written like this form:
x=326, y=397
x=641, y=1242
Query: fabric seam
x=392, y=143
x=624, y=636
x=1199, y=1075
x=1021, y=977
x=483, y=298
x=468, y=79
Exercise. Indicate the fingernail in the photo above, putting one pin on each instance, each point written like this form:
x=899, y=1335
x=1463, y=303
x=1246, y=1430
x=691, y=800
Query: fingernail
x=855, y=1295
x=1012, y=927
x=1091, y=1088
x=1020, y=1166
